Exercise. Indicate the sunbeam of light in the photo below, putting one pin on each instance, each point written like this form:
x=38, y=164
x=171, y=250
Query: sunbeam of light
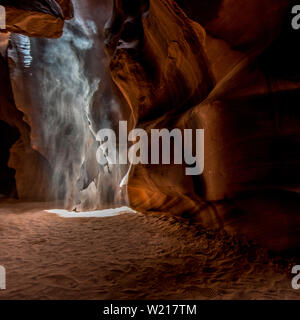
x=67, y=99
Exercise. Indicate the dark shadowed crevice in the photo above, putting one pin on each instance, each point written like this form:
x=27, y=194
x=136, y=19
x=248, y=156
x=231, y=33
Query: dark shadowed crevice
x=9, y=136
x=201, y=11
x=284, y=49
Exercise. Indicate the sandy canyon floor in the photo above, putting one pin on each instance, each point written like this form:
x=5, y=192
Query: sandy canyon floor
x=131, y=256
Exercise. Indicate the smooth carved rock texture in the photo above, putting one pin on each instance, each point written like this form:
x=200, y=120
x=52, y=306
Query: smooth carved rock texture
x=244, y=25
x=161, y=71
x=157, y=67
x=23, y=159
x=38, y=18
x=229, y=67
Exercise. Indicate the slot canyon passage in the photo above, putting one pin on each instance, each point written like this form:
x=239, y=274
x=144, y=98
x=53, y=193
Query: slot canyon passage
x=72, y=229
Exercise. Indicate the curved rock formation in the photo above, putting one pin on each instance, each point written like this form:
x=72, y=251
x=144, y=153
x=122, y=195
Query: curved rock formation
x=162, y=71
x=225, y=80
x=38, y=18
x=23, y=159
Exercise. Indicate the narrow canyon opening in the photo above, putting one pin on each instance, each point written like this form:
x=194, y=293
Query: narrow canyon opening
x=63, y=89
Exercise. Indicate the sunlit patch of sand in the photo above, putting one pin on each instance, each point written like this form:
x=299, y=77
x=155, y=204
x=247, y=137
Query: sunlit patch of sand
x=91, y=214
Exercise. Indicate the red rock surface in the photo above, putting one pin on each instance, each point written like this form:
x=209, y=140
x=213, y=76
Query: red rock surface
x=39, y=18
x=225, y=72
x=23, y=159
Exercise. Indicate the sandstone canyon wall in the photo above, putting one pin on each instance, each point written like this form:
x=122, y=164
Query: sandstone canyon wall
x=38, y=18
x=215, y=65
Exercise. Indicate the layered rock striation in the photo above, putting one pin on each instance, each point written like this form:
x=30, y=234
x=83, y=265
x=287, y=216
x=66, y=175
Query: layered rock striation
x=214, y=65
x=38, y=18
